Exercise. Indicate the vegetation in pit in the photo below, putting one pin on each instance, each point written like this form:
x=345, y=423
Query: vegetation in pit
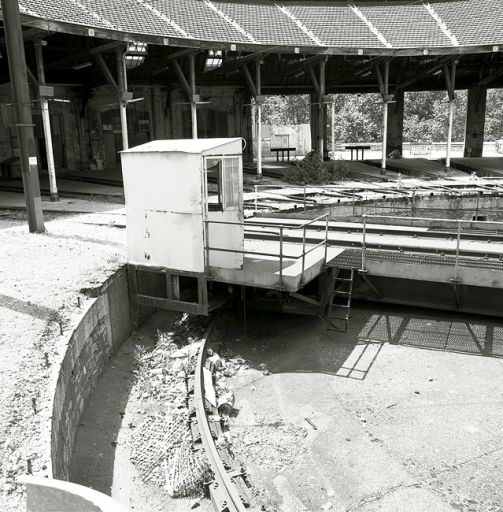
x=313, y=170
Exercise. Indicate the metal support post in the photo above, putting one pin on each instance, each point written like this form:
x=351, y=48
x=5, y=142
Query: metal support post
x=385, y=115
x=122, y=78
x=258, y=103
x=451, y=86
x=458, y=240
x=322, y=120
x=478, y=206
x=256, y=204
x=449, y=134
x=24, y=122
x=353, y=193
x=46, y=121
x=303, y=250
x=326, y=239
x=333, y=127
x=193, y=106
x=281, y=257
x=363, y=242
x=304, y=198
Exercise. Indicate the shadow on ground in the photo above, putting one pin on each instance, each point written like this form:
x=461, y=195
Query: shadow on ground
x=279, y=341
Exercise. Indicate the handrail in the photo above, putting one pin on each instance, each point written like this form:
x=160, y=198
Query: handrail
x=281, y=256
x=454, y=221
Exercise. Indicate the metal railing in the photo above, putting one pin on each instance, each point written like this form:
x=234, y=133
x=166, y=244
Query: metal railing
x=357, y=198
x=281, y=232
x=457, y=222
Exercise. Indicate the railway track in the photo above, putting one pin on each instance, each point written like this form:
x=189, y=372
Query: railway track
x=228, y=491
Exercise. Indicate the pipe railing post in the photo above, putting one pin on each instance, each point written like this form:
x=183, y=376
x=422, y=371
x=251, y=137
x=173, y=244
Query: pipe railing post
x=363, y=243
x=303, y=249
x=256, y=192
x=281, y=257
x=326, y=239
x=353, y=202
x=458, y=240
x=304, y=198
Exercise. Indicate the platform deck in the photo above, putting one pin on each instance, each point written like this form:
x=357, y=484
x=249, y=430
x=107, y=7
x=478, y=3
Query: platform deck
x=264, y=271
x=492, y=166
x=421, y=167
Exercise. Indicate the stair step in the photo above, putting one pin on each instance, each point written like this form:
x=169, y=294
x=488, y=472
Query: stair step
x=341, y=292
x=343, y=279
x=340, y=305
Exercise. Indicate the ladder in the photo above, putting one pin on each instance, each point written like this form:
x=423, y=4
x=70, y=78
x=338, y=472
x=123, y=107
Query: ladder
x=339, y=299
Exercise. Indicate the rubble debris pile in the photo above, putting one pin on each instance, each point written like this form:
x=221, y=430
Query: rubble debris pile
x=161, y=445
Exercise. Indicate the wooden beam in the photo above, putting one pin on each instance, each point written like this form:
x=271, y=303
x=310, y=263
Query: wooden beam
x=181, y=53
x=233, y=64
x=316, y=84
x=249, y=80
x=106, y=71
x=183, y=81
x=30, y=34
x=490, y=78
x=427, y=72
x=302, y=64
x=359, y=69
x=106, y=47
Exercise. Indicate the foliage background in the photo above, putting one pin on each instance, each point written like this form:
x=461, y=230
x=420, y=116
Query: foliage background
x=359, y=117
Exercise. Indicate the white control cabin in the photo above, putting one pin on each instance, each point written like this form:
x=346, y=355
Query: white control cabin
x=177, y=194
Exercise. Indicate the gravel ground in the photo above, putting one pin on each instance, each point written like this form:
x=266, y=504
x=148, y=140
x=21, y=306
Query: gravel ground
x=41, y=278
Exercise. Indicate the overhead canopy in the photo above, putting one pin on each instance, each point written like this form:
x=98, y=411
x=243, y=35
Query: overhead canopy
x=404, y=27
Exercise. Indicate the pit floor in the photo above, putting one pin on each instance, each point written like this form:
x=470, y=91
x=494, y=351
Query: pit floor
x=393, y=425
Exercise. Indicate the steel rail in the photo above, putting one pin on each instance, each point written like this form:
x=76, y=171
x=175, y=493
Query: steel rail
x=224, y=482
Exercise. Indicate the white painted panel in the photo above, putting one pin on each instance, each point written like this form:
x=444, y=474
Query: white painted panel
x=170, y=240
x=227, y=237
x=163, y=181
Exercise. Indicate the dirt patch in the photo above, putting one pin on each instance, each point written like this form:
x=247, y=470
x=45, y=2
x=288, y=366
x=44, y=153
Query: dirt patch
x=40, y=304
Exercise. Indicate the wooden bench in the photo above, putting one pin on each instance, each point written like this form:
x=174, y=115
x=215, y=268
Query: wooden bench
x=277, y=151
x=357, y=147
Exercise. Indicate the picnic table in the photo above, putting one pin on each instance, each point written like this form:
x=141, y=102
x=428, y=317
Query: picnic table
x=277, y=151
x=357, y=147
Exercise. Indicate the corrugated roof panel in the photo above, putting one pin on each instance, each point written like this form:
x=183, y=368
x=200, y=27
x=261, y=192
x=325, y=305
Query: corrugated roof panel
x=265, y=22
x=473, y=22
x=405, y=25
x=335, y=23
x=130, y=16
x=65, y=11
x=201, y=22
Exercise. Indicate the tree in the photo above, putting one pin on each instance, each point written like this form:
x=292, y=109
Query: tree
x=285, y=110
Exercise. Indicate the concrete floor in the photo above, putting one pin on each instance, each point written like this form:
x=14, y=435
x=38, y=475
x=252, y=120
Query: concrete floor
x=397, y=427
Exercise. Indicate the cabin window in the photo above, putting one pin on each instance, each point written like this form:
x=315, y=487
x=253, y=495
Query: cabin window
x=214, y=183
x=231, y=183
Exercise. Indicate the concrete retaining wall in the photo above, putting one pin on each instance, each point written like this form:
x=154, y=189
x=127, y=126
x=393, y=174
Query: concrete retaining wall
x=436, y=206
x=104, y=326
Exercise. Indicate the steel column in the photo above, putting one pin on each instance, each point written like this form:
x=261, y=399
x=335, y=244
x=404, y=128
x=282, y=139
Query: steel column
x=451, y=85
x=321, y=107
x=46, y=121
x=193, y=106
x=122, y=79
x=385, y=114
x=258, y=103
x=333, y=127
x=24, y=122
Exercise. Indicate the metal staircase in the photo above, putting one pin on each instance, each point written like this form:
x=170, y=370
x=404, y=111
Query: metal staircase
x=339, y=299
